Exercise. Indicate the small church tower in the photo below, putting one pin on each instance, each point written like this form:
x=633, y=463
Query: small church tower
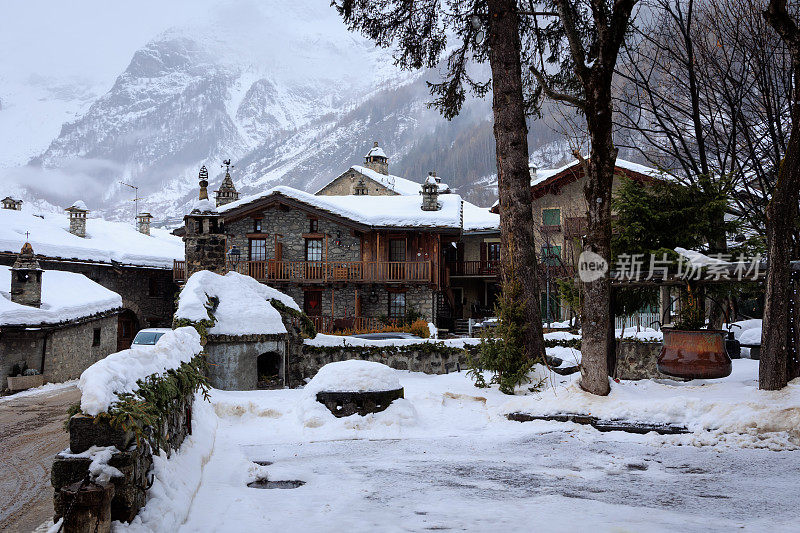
x=227, y=192
x=204, y=239
x=26, y=278
x=376, y=160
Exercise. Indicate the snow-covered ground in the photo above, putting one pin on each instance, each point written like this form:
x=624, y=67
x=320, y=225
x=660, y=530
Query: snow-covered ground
x=445, y=457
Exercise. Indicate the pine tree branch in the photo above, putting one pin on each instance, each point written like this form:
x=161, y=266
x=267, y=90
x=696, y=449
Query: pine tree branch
x=553, y=94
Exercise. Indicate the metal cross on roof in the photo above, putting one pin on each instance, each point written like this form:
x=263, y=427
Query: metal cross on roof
x=27, y=235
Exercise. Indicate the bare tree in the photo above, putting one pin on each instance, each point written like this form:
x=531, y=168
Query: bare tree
x=782, y=218
x=584, y=41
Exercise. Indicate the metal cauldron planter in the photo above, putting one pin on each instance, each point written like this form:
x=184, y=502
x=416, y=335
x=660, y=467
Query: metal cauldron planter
x=697, y=354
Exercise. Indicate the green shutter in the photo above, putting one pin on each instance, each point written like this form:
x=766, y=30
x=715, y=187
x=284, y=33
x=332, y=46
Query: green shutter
x=551, y=217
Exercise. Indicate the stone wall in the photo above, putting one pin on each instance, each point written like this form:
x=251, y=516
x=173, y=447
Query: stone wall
x=345, y=184
x=292, y=225
x=133, y=460
x=232, y=360
x=638, y=360
x=148, y=292
x=68, y=350
x=430, y=358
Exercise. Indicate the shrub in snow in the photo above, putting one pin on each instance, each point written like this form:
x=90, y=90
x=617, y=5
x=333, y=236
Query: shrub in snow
x=137, y=389
x=353, y=376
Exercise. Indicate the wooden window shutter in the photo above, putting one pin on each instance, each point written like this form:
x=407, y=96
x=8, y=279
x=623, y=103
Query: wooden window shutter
x=483, y=252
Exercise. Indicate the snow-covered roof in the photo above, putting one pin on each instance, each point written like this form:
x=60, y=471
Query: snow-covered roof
x=79, y=204
x=375, y=211
x=244, y=304
x=105, y=241
x=203, y=206
x=65, y=296
x=479, y=218
x=376, y=151
x=542, y=175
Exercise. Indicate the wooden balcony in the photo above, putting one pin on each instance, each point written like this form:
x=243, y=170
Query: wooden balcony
x=474, y=268
x=328, y=271
x=352, y=324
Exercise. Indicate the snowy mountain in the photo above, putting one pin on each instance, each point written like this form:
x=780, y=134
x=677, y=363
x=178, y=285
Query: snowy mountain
x=292, y=98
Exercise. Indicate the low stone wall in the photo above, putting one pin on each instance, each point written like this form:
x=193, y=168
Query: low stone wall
x=134, y=459
x=638, y=360
x=428, y=357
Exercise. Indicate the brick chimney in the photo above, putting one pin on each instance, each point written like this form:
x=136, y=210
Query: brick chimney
x=376, y=160
x=430, y=194
x=26, y=278
x=77, y=218
x=10, y=203
x=143, y=222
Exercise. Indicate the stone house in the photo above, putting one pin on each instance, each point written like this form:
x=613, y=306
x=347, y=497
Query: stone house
x=353, y=262
x=135, y=262
x=373, y=179
x=559, y=214
x=55, y=322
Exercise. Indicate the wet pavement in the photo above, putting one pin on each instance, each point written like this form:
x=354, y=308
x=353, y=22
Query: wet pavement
x=31, y=433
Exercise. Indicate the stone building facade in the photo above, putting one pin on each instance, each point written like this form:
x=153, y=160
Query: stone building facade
x=59, y=352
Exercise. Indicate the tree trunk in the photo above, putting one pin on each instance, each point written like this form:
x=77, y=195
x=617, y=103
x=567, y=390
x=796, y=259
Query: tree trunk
x=781, y=214
x=513, y=174
x=598, y=333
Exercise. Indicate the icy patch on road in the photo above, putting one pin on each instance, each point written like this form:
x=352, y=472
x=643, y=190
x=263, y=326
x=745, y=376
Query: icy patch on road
x=46, y=390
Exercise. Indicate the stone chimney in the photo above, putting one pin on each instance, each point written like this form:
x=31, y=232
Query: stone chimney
x=376, y=160
x=26, y=278
x=203, y=183
x=77, y=218
x=227, y=192
x=430, y=194
x=143, y=222
x=10, y=203
x=204, y=239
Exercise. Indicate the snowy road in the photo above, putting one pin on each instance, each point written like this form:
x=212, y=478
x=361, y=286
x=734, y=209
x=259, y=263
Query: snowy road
x=32, y=433
x=443, y=459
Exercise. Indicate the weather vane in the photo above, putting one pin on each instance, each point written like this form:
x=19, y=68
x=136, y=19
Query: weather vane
x=227, y=164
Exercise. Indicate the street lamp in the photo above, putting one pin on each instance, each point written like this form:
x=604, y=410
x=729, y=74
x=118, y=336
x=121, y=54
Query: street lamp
x=234, y=255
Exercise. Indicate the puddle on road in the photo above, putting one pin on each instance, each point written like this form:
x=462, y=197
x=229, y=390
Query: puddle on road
x=267, y=484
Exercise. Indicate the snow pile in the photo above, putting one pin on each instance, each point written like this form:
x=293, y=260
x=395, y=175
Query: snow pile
x=204, y=206
x=751, y=336
x=322, y=340
x=65, y=296
x=105, y=241
x=99, y=469
x=119, y=372
x=731, y=409
x=378, y=211
x=353, y=376
x=176, y=479
x=243, y=308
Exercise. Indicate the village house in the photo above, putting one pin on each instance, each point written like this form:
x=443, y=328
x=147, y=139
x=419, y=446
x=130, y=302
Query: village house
x=53, y=323
x=559, y=214
x=352, y=262
x=132, y=261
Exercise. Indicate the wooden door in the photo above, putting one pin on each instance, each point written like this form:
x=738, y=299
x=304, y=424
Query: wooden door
x=127, y=327
x=312, y=303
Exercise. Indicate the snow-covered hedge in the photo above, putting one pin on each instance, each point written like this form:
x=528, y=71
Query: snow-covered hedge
x=121, y=372
x=235, y=304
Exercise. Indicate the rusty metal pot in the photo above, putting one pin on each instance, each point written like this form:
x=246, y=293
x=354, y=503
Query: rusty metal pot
x=694, y=354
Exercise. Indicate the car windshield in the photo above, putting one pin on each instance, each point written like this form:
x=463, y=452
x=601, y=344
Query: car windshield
x=147, y=337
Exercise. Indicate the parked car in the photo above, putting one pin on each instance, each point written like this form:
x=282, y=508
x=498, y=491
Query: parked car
x=149, y=336
x=389, y=335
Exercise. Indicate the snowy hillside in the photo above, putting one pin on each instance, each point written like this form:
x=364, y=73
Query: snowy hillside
x=289, y=95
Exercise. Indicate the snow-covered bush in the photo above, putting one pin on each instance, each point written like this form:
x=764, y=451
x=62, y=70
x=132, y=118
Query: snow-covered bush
x=353, y=376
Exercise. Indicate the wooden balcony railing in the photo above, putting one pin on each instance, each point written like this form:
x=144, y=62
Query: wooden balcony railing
x=352, y=324
x=326, y=271
x=474, y=268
